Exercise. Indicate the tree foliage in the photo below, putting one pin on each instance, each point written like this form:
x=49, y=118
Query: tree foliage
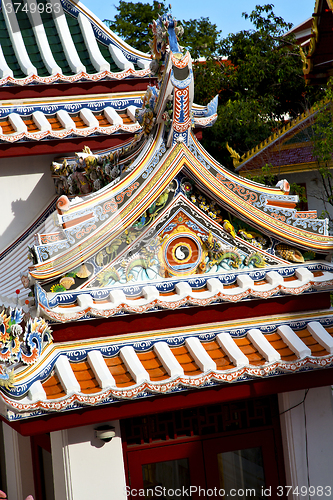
x=131, y=23
x=133, y=20
x=257, y=73
x=261, y=84
x=202, y=38
x=322, y=139
x=268, y=64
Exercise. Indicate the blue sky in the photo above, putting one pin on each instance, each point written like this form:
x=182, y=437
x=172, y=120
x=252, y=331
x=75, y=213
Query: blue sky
x=227, y=14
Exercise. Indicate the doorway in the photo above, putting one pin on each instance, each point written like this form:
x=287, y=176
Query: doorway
x=229, y=450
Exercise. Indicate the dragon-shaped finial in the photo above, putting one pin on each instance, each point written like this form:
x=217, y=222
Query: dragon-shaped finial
x=166, y=33
x=236, y=158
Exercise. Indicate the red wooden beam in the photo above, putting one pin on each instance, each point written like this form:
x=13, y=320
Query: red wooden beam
x=59, y=147
x=191, y=316
x=61, y=90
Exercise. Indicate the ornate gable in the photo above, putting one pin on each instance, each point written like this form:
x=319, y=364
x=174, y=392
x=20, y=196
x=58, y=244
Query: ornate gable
x=157, y=225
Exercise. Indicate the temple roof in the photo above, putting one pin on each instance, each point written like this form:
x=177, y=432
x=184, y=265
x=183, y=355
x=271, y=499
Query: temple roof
x=152, y=223
x=302, y=32
x=288, y=150
x=82, y=116
x=121, y=249
x=123, y=211
x=79, y=116
x=192, y=292
x=73, y=375
x=319, y=58
x=58, y=42
x=129, y=196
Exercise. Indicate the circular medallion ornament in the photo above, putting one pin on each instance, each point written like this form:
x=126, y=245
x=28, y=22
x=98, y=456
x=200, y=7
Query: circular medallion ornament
x=182, y=252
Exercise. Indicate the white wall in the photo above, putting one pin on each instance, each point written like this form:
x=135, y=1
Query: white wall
x=26, y=187
x=307, y=439
x=84, y=467
x=19, y=472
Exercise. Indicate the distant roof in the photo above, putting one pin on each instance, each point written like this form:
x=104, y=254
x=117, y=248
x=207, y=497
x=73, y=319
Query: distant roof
x=318, y=65
x=289, y=149
x=302, y=32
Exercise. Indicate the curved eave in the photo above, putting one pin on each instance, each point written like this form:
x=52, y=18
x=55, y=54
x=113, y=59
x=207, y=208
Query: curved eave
x=280, y=346
x=138, y=201
x=115, y=38
x=206, y=121
x=67, y=45
x=70, y=133
x=245, y=209
x=61, y=118
x=79, y=77
x=186, y=295
x=234, y=193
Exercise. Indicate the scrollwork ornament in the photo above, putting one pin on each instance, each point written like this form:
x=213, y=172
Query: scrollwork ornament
x=207, y=336
x=77, y=355
x=143, y=345
x=21, y=341
x=175, y=340
x=110, y=350
x=47, y=251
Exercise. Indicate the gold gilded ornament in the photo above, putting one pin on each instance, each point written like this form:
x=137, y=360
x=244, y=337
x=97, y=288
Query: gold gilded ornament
x=67, y=282
x=289, y=253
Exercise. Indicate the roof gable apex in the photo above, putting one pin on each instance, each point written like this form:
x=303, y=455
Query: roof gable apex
x=89, y=224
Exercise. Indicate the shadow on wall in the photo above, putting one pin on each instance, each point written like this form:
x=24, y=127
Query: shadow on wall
x=25, y=192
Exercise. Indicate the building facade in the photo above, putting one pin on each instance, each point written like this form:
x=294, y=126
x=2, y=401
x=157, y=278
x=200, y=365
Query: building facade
x=171, y=335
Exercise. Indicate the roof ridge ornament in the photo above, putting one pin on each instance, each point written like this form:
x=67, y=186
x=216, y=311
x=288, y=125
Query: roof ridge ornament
x=22, y=340
x=166, y=33
x=173, y=70
x=89, y=172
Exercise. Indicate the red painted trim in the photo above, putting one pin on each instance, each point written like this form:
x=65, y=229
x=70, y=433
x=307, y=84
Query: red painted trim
x=188, y=317
x=158, y=404
x=198, y=133
x=39, y=442
x=59, y=147
x=61, y=90
x=43, y=441
x=36, y=467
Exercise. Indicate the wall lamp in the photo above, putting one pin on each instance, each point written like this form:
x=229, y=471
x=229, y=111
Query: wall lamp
x=105, y=433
